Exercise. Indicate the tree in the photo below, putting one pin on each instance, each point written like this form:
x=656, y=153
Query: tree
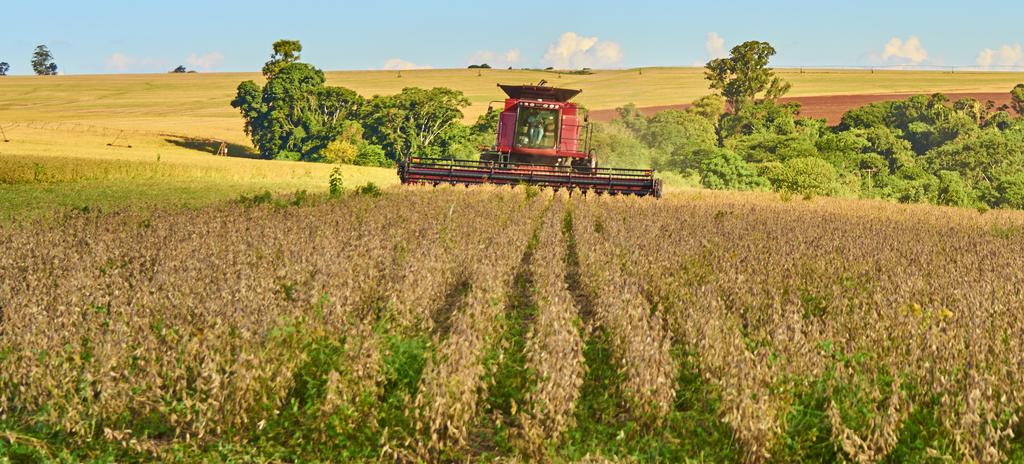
x=179, y=70
x=1000, y=120
x=345, y=147
x=676, y=135
x=1011, y=191
x=294, y=116
x=953, y=191
x=981, y=158
x=4, y=67
x=763, y=147
x=414, y=121
x=616, y=146
x=808, y=176
x=868, y=116
x=710, y=107
x=725, y=170
x=745, y=74
x=285, y=53
x=766, y=117
x=1017, y=99
x=631, y=118
x=42, y=62
x=372, y=155
x=349, y=147
x=910, y=184
x=464, y=141
x=671, y=130
x=971, y=107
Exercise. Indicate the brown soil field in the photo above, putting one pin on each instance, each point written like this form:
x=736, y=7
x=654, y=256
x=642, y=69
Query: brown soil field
x=830, y=107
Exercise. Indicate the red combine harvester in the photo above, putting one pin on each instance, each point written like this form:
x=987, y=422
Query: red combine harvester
x=543, y=141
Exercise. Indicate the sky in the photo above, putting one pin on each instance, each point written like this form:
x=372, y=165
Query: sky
x=99, y=36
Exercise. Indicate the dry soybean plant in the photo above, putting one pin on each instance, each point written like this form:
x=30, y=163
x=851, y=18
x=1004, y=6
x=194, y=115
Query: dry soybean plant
x=639, y=337
x=554, y=346
x=892, y=330
x=449, y=390
x=892, y=307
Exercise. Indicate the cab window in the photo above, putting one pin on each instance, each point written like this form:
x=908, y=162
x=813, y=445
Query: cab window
x=537, y=128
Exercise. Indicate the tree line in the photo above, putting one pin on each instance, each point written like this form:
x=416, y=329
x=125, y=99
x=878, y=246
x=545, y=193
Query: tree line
x=925, y=148
x=295, y=116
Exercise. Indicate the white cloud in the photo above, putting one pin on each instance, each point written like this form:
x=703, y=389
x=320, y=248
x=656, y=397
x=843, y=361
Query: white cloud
x=398, y=64
x=905, y=52
x=206, y=61
x=715, y=46
x=496, y=60
x=608, y=52
x=574, y=51
x=1005, y=56
x=121, y=62
x=513, y=56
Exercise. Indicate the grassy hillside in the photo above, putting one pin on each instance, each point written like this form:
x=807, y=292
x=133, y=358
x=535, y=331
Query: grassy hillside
x=197, y=104
x=59, y=166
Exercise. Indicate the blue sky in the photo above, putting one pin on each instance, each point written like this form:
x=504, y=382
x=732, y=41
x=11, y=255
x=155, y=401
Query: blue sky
x=146, y=36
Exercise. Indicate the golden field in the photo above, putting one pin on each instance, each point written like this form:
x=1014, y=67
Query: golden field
x=197, y=104
x=59, y=127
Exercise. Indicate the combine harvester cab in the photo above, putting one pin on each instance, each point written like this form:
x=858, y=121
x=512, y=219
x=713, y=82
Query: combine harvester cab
x=541, y=141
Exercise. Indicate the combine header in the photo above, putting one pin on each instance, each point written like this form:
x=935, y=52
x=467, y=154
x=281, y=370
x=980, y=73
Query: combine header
x=541, y=141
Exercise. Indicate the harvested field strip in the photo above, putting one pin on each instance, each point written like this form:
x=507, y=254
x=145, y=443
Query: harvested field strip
x=601, y=407
x=196, y=104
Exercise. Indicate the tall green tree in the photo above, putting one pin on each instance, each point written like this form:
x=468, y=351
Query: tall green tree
x=294, y=116
x=4, y=67
x=745, y=75
x=42, y=62
x=285, y=53
x=415, y=121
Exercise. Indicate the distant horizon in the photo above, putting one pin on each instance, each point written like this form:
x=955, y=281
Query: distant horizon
x=892, y=68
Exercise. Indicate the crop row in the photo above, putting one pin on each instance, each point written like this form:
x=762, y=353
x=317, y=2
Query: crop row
x=876, y=312
x=449, y=324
